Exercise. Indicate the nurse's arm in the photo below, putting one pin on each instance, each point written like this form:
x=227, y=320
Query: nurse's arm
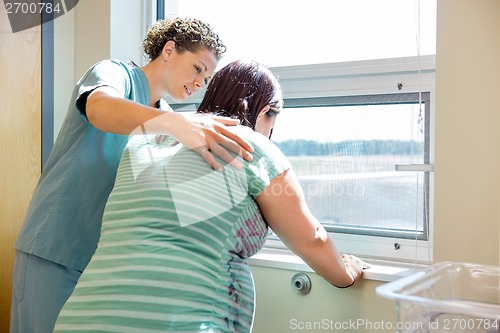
x=109, y=112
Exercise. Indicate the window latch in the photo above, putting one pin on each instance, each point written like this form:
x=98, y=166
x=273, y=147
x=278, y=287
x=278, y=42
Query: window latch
x=415, y=167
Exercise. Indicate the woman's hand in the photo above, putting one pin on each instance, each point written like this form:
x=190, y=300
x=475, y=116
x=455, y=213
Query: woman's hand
x=354, y=267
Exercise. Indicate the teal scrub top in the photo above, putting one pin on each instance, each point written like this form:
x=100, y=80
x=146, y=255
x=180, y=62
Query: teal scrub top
x=64, y=217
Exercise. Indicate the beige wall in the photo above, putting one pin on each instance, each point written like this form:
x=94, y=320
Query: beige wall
x=467, y=160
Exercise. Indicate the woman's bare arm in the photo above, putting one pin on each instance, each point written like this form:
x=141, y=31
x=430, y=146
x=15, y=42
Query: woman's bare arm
x=285, y=210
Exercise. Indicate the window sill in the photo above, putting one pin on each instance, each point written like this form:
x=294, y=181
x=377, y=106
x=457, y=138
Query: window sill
x=380, y=270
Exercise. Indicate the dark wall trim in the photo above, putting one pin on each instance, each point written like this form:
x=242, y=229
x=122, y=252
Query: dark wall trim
x=47, y=90
x=160, y=9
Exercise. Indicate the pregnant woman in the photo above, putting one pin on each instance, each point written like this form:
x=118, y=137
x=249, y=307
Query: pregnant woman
x=176, y=234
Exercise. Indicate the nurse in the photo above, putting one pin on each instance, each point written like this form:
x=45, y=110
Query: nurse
x=111, y=100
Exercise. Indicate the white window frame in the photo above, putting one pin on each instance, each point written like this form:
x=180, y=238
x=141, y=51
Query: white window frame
x=371, y=77
x=416, y=74
x=384, y=76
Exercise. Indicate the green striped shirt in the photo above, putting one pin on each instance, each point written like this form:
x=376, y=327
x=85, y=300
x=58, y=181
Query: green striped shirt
x=175, y=240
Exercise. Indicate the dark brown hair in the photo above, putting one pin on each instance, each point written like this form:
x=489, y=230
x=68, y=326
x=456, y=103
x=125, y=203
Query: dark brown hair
x=240, y=90
x=189, y=34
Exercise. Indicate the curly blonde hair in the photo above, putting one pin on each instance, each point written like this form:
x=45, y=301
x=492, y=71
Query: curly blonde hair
x=189, y=34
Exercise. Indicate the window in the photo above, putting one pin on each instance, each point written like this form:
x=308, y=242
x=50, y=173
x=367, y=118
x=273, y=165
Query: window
x=298, y=32
x=360, y=138
x=351, y=154
x=358, y=120
x=347, y=166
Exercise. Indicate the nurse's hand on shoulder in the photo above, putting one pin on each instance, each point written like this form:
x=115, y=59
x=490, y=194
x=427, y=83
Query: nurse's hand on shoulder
x=210, y=135
x=220, y=140
x=205, y=134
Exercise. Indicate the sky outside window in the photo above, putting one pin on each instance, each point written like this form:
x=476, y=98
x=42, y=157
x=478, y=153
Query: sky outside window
x=295, y=32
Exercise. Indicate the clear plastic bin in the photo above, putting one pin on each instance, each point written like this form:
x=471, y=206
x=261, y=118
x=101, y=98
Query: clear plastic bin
x=447, y=297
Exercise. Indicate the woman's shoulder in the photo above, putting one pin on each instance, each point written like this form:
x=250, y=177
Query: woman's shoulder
x=250, y=135
x=264, y=148
x=255, y=138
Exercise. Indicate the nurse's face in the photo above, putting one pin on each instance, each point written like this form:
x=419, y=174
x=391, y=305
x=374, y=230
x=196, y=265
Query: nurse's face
x=187, y=72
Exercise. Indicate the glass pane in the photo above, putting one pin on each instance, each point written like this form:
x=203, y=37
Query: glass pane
x=297, y=32
x=345, y=159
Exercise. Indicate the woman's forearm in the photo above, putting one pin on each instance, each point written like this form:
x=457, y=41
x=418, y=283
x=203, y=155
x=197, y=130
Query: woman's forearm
x=285, y=210
x=323, y=257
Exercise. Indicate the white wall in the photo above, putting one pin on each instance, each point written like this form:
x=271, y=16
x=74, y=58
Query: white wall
x=92, y=34
x=64, y=66
x=88, y=34
x=81, y=38
x=280, y=310
x=127, y=35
